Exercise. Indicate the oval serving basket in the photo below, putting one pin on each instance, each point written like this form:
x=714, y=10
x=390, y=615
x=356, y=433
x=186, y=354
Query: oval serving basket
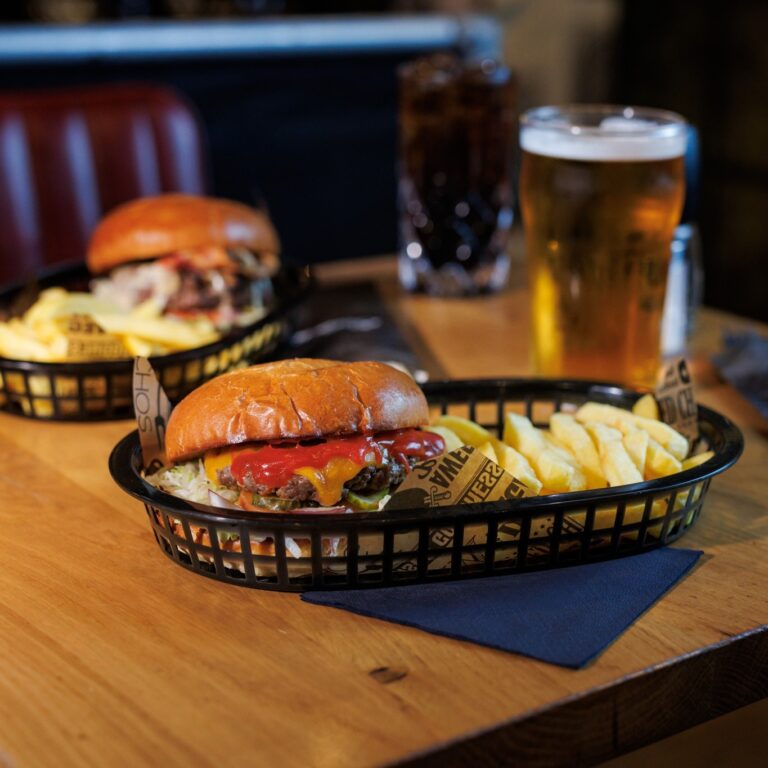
x=296, y=553
x=100, y=390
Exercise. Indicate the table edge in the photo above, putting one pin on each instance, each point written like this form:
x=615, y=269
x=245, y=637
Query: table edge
x=695, y=687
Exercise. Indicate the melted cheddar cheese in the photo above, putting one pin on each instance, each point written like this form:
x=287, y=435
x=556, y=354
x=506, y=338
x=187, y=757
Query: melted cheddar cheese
x=214, y=461
x=329, y=481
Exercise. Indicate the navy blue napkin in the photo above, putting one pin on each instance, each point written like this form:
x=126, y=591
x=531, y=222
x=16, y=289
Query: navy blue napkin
x=744, y=365
x=565, y=616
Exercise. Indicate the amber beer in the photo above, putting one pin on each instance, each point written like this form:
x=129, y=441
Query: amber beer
x=601, y=191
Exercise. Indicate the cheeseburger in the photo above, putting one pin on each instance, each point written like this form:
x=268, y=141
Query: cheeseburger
x=297, y=435
x=194, y=256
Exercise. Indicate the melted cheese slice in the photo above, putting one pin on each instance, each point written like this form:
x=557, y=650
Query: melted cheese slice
x=217, y=459
x=329, y=480
x=214, y=461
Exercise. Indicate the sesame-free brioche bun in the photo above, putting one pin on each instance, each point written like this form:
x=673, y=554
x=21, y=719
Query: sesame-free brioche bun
x=155, y=226
x=291, y=400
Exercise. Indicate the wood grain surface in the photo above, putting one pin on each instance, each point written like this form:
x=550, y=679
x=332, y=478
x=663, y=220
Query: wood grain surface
x=111, y=655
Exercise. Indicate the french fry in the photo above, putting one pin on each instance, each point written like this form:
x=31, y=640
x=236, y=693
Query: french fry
x=554, y=472
x=657, y=462
x=636, y=443
x=47, y=303
x=147, y=309
x=174, y=334
x=662, y=433
x=45, y=333
x=520, y=433
x=452, y=441
x=468, y=432
x=571, y=433
x=660, y=462
x=673, y=441
x=81, y=304
x=137, y=347
x=647, y=407
x=457, y=431
x=616, y=463
x=559, y=447
x=616, y=448
x=695, y=461
x=516, y=464
x=487, y=450
x=19, y=346
x=22, y=330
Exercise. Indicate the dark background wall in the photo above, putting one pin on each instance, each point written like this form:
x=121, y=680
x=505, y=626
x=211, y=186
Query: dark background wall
x=709, y=61
x=314, y=138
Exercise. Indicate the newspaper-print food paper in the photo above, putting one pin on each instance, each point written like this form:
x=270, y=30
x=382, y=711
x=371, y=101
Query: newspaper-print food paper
x=86, y=340
x=152, y=408
x=677, y=403
x=462, y=476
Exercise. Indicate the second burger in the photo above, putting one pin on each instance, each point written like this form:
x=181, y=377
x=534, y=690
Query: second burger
x=194, y=256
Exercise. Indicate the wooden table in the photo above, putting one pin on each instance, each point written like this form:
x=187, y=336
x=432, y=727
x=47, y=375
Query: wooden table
x=111, y=655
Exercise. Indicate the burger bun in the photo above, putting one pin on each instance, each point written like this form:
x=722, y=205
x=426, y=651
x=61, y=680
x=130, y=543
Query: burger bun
x=151, y=227
x=294, y=400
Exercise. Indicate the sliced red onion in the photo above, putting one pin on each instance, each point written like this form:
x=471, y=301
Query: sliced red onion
x=293, y=548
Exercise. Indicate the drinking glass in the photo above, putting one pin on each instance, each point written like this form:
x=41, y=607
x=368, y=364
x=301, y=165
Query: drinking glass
x=601, y=192
x=458, y=125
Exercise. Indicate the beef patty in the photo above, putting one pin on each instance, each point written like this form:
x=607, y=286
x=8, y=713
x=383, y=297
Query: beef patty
x=367, y=481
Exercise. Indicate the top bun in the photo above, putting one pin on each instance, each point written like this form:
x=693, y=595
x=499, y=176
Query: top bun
x=293, y=399
x=154, y=226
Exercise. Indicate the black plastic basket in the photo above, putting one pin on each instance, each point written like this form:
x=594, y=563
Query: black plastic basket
x=100, y=390
x=299, y=552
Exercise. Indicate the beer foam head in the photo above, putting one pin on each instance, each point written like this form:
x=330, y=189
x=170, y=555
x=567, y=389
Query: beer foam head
x=585, y=133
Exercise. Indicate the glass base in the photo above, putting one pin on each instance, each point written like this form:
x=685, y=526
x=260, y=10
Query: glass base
x=452, y=279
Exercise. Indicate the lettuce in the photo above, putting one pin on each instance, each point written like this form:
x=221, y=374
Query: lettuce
x=188, y=481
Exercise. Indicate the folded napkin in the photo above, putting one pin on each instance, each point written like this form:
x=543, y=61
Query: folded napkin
x=744, y=365
x=565, y=616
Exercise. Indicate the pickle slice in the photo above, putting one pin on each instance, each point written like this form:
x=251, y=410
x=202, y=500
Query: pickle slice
x=274, y=503
x=366, y=503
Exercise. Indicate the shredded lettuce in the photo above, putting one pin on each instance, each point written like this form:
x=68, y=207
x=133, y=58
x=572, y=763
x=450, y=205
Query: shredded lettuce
x=188, y=481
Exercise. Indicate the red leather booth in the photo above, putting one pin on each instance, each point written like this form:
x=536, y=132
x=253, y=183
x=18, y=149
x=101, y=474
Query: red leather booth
x=68, y=156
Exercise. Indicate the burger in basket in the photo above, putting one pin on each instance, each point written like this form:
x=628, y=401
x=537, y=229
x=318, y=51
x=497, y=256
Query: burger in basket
x=297, y=436
x=194, y=256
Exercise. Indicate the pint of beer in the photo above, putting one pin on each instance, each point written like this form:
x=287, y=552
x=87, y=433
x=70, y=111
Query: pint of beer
x=601, y=190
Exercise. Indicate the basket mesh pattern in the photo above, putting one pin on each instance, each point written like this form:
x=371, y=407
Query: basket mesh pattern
x=103, y=390
x=357, y=555
x=295, y=553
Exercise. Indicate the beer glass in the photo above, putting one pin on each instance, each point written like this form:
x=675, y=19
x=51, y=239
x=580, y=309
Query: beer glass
x=601, y=191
